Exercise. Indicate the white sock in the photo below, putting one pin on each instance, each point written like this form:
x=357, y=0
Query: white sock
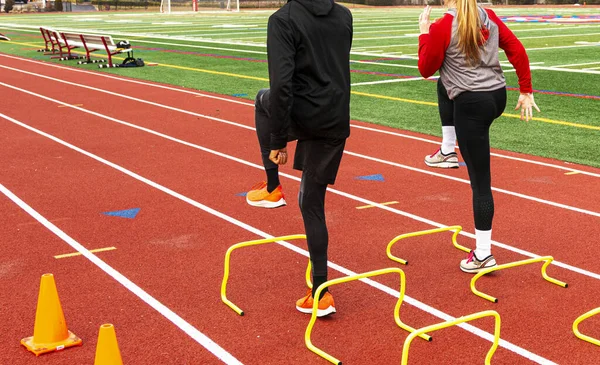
x=483, y=244
x=448, y=139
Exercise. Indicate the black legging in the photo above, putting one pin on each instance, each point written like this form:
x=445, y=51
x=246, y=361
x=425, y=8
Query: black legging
x=311, y=198
x=473, y=114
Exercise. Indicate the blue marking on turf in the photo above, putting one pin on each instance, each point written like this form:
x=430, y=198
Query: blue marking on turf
x=376, y=177
x=239, y=95
x=241, y=194
x=127, y=213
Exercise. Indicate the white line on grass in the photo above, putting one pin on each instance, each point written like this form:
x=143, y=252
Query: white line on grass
x=195, y=93
x=388, y=81
x=190, y=330
x=337, y=192
x=414, y=302
x=577, y=64
x=558, y=69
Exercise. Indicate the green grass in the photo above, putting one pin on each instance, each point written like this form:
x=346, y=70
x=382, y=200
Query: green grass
x=208, y=41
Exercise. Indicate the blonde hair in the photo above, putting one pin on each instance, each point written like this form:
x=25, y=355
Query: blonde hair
x=469, y=30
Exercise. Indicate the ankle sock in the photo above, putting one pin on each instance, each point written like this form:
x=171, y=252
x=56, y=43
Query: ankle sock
x=483, y=243
x=448, y=140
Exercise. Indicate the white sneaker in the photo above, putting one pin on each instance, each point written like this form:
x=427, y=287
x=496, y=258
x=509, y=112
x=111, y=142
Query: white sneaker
x=438, y=159
x=474, y=265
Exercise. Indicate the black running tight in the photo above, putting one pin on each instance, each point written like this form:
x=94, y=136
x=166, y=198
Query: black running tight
x=473, y=114
x=311, y=200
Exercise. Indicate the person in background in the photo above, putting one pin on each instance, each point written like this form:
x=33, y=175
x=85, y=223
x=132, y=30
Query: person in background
x=463, y=45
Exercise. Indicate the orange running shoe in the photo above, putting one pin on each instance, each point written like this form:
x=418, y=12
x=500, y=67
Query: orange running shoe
x=326, y=304
x=258, y=196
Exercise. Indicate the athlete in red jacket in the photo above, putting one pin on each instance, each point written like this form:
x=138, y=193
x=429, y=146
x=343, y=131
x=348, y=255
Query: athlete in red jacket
x=463, y=45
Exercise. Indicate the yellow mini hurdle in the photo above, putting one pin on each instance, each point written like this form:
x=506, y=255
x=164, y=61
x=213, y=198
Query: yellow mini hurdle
x=547, y=259
x=439, y=326
x=456, y=230
x=237, y=309
x=346, y=279
x=579, y=319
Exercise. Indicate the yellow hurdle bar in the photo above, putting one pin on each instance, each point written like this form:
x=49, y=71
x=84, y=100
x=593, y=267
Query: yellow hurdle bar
x=456, y=230
x=237, y=309
x=346, y=279
x=580, y=335
x=548, y=260
x=439, y=326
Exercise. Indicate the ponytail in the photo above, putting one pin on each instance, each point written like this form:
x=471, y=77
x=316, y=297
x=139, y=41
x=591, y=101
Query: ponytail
x=469, y=30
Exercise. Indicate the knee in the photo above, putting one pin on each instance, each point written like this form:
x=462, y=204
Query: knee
x=258, y=100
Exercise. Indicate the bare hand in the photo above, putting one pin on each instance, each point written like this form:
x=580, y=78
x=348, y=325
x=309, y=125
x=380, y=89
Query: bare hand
x=526, y=103
x=424, y=21
x=279, y=156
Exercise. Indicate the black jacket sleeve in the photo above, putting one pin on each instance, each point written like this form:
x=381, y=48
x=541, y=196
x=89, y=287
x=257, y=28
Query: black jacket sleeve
x=281, y=52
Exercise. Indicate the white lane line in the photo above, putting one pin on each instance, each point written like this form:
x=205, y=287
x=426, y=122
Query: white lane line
x=338, y=192
x=195, y=93
x=504, y=191
x=190, y=330
x=422, y=306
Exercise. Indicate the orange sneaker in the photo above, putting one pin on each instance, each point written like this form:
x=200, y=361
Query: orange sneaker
x=258, y=196
x=326, y=304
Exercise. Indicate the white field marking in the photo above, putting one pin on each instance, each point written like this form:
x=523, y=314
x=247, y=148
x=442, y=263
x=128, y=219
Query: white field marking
x=388, y=81
x=578, y=64
x=565, y=70
x=588, y=43
x=177, y=44
x=147, y=35
x=376, y=130
x=592, y=68
x=414, y=302
x=560, y=47
x=507, y=63
x=203, y=47
x=181, y=323
x=385, y=55
x=559, y=28
x=334, y=191
x=391, y=46
x=385, y=64
x=386, y=37
x=560, y=36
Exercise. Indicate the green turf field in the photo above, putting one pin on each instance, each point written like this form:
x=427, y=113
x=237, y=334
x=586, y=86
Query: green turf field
x=226, y=53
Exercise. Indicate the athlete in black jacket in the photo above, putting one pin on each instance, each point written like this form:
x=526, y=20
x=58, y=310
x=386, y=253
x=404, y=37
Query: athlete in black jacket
x=308, y=46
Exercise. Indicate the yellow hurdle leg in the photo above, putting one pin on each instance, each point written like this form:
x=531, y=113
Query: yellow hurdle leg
x=439, y=326
x=237, y=309
x=456, y=230
x=580, y=335
x=547, y=259
x=346, y=279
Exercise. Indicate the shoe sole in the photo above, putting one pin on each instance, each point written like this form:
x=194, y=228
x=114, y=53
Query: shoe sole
x=320, y=312
x=267, y=204
x=475, y=271
x=443, y=165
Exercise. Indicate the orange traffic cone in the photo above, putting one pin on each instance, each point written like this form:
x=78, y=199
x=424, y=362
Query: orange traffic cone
x=50, y=331
x=107, y=350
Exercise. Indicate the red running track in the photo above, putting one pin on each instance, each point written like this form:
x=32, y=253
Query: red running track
x=174, y=249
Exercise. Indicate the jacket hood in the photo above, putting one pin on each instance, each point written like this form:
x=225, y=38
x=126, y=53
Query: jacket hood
x=317, y=7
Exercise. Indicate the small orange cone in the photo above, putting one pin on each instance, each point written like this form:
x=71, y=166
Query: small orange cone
x=50, y=331
x=107, y=350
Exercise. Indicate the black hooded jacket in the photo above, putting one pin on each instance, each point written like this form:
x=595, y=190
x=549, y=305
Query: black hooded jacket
x=308, y=46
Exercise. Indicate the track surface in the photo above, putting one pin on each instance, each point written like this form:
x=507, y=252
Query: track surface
x=174, y=248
